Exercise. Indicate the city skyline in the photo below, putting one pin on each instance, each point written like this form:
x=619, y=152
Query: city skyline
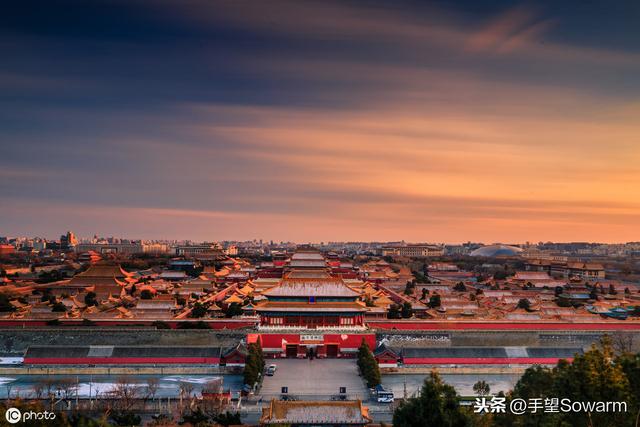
x=318, y=121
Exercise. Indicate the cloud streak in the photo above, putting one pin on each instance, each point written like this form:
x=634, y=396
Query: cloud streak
x=321, y=121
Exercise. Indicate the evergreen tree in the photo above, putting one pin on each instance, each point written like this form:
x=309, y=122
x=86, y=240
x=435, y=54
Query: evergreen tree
x=254, y=364
x=524, y=304
x=227, y=419
x=5, y=304
x=90, y=299
x=481, y=388
x=434, y=301
x=393, y=312
x=59, y=307
x=407, y=311
x=146, y=294
x=596, y=376
x=460, y=287
x=437, y=406
x=234, y=309
x=199, y=310
x=368, y=366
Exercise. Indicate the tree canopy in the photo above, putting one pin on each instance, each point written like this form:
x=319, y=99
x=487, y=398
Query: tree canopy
x=595, y=376
x=254, y=364
x=438, y=405
x=368, y=365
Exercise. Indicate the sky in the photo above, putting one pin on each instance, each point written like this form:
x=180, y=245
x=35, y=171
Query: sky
x=492, y=121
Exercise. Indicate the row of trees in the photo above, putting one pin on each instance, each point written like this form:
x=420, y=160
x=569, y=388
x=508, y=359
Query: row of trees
x=368, y=366
x=254, y=364
x=599, y=375
x=400, y=312
x=119, y=406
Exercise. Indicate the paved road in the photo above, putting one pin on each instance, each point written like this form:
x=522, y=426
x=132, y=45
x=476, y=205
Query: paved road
x=315, y=378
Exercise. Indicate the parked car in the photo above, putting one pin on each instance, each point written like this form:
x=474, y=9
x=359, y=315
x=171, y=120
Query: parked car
x=271, y=370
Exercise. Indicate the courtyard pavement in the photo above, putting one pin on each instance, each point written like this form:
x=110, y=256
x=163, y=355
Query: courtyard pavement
x=314, y=379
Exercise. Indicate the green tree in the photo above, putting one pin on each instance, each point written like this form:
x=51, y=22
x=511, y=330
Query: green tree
x=228, y=419
x=434, y=301
x=254, y=364
x=368, y=366
x=393, y=312
x=595, y=376
x=630, y=364
x=234, y=309
x=407, y=311
x=460, y=287
x=195, y=418
x=146, y=294
x=481, y=388
x=500, y=275
x=438, y=405
x=537, y=381
x=524, y=304
x=409, y=288
x=90, y=299
x=125, y=418
x=198, y=310
x=5, y=304
x=59, y=307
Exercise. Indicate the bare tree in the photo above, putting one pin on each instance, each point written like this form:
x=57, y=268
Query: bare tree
x=60, y=390
x=186, y=389
x=185, y=392
x=66, y=388
x=38, y=390
x=152, y=388
x=622, y=343
x=124, y=394
x=49, y=385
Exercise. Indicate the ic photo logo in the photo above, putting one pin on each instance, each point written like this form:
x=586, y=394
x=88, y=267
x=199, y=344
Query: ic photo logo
x=13, y=415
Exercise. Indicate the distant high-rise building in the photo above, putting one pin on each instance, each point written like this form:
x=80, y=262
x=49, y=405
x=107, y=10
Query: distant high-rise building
x=6, y=249
x=68, y=240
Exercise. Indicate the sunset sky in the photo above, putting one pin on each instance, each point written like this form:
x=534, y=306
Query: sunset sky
x=319, y=120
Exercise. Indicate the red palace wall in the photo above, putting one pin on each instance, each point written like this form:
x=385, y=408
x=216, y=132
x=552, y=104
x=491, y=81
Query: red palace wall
x=482, y=361
x=212, y=324
x=500, y=326
x=121, y=360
